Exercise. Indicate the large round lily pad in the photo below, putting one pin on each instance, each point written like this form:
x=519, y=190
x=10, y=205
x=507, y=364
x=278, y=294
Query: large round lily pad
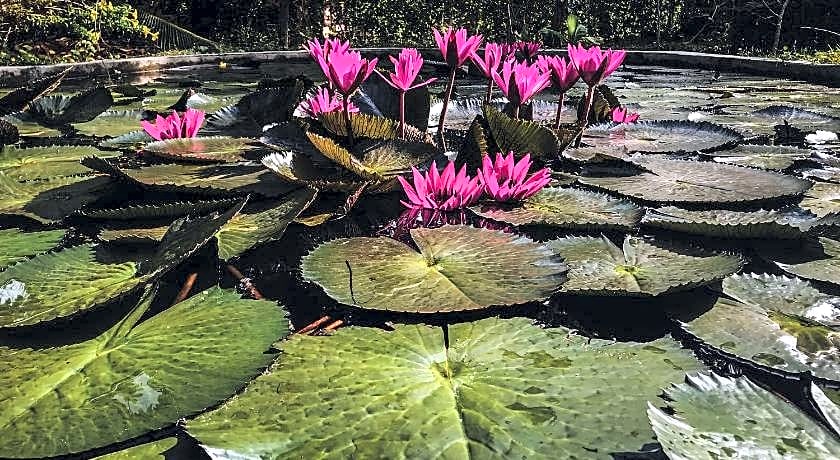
x=662, y=136
x=712, y=417
x=638, y=268
x=457, y=268
x=679, y=181
x=16, y=245
x=46, y=162
x=50, y=200
x=112, y=123
x=497, y=389
x=822, y=199
x=133, y=378
x=826, y=268
x=775, y=157
x=784, y=223
x=566, y=207
x=201, y=149
x=774, y=321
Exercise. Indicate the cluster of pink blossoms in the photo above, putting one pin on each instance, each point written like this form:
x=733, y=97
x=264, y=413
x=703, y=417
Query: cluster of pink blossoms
x=502, y=180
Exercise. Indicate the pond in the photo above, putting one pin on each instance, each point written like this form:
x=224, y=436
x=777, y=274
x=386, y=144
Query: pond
x=261, y=290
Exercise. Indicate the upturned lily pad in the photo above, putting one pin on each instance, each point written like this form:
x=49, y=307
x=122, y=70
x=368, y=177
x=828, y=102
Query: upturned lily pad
x=49, y=200
x=133, y=378
x=566, y=207
x=152, y=451
x=774, y=157
x=204, y=180
x=458, y=268
x=111, y=123
x=799, y=117
x=61, y=110
x=159, y=211
x=680, y=181
x=20, y=98
x=662, y=136
x=784, y=223
x=46, y=162
x=825, y=269
x=129, y=141
x=363, y=125
x=774, y=321
x=639, y=268
x=201, y=149
x=499, y=388
x=9, y=133
x=521, y=136
x=712, y=417
x=245, y=231
x=297, y=168
x=822, y=199
x=133, y=235
x=16, y=245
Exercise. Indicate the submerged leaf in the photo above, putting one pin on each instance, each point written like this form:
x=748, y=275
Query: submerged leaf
x=16, y=245
x=457, y=268
x=152, y=451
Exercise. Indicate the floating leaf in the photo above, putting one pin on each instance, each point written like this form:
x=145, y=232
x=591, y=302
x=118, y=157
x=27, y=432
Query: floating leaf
x=61, y=110
x=201, y=149
x=133, y=379
x=131, y=140
x=775, y=157
x=16, y=245
x=662, y=136
x=679, y=181
x=521, y=136
x=708, y=422
x=20, y=98
x=46, y=162
x=298, y=169
x=596, y=154
x=152, y=451
x=457, y=268
x=638, y=268
x=566, y=207
x=785, y=223
x=159, y=211
x=245, y=231
x=27, y=126
x=497, y=389
x=827, y=269
x=133, y=235
x=52, y=199
x=822, y=199
x=112, y=123
x=774, y=321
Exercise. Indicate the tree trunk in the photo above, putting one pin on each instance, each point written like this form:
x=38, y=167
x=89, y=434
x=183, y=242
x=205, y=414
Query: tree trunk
x=659, y=23
x=781, y=16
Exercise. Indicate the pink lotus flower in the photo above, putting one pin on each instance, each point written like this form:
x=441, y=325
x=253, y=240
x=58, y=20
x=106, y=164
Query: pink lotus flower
x=443, y=191
x=563, y=74
x=492, y=59
x=529, y=50
x=521, y=81
x=406, y=68
x=622, y=115
x=175, y=126
x=508, y=51
x=347, y=70
x=456, y=46
x=594, y=65
x=321, y=53
x=508, y=180
x=324, y=102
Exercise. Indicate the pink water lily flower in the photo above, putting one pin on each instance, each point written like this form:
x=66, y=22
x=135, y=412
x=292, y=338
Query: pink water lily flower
x=324, y=102
x=491, y=59
x=520, y=81
x=622, y=115
x=407, y=67
x=529, y=50
x=443, y=191
x=563, y=77
x=456, y=46
x=321, y=53
x=507, y=179
x=347, y=70
x=175, y=126
x=593, y=64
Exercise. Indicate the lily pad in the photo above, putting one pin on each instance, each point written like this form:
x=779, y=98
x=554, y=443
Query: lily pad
x=59, y=110
x=458, y=268
x=159, y=211
x=784, y=223
x=662, y=136
x=201, y=149
x=16, y=245
x=826, y=269
x=152, y=451
x=822, y=199
x=363, y=125
x=133, y=378
x=129, y=141
x=111, y=123
x=49, y=200
x=20, y=98
x=521, y=136
x=706, y=420
x=567, y=208
x=679, y=181
x=46, y=162
x=774, y=157
x=639, y=268
x=773, y=321
x=244, y=231
x=133, y=235
x=496, y=389
x=27, y=126
x=298, y=168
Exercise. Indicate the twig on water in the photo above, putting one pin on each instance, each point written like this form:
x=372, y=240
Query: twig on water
x=314, y=325
x=245, y=282
x=334, y=325
x=186, y=288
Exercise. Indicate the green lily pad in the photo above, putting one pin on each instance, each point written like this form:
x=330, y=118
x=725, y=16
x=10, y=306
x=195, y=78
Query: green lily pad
x=343, y=157
x=133, y=235
x=773, y=321
x=129, y=141
x=679, y=181
x=297, y=168
x=567, y=208
x=662, y=136
x=201, y=149
x=152, y=451
x=707, y=415
x=822, y=199
x=458, y=268
x=775, y=157
x=46, y=162
x=639, y=268
x=16, y=245
x=133, y=378
x=59, y=110
x=521, y=136
x=497, y=389
x=589, y=155
x=27, y=126
x=785, y=223
x=111, y=123
x=826, y=269
x=52, y=199
x=159, y=211
x=244, y=231
x=363, y=125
